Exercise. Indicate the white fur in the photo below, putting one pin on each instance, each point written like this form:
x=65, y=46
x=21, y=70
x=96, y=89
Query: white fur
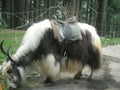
x=95, y=38
x=47, y=66
x=90, y=28
x=22, y=72
x=50, y=66
x=33, y=37
x=5, y=67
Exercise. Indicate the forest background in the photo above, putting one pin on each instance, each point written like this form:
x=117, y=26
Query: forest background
x=103, y=14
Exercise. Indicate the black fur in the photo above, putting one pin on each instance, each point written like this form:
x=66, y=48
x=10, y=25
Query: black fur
x=80, y=50
x=48, y=45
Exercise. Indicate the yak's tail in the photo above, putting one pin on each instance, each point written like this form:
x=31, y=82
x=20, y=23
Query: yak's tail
x=94, y=51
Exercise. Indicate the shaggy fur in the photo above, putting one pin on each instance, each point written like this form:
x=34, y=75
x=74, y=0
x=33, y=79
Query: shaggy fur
x=39, y=45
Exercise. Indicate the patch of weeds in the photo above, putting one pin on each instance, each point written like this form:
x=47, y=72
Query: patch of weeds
x=3, y=82
x=110, y=41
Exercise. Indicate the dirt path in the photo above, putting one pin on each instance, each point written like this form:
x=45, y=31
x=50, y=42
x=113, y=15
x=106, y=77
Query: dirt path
x=107, y=78
x=113, y=51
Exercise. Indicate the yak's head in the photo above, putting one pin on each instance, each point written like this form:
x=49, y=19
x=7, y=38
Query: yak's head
x=10, y=67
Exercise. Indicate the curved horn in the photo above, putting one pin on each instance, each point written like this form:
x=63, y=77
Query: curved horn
x=9, y=55
x=1, y=47
x=6, y=53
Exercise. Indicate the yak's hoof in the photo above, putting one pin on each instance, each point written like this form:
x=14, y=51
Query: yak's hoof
x=77, y=76
x=48, y=82
x=89, y=78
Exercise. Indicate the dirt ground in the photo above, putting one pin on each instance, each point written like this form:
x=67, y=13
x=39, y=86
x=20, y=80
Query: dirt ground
x=107, y=78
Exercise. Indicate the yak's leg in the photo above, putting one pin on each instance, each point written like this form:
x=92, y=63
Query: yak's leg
x=79, y=73
x=51, y=67
x=91, y=74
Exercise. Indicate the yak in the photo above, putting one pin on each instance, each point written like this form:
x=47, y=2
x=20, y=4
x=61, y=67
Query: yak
x=53, y=56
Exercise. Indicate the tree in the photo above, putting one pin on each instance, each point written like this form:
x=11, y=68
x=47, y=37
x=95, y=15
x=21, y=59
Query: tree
x=36, y=9
x=100, y=15
x=91, y=12
x=103, y=14
x=5, y=10
x=113, y=18
x=18, y=10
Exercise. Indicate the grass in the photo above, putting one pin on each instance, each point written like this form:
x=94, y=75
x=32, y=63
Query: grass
x=110, y=41
x=10, y=37
x=3, y=82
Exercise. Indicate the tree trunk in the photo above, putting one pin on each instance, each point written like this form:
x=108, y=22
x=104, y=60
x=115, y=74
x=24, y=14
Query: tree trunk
x=88, y=11
x=47, y=5
x=91, y=12
x=27, y=6
x=80, y=8
x=5, y=9
x=12, y=16
x=36, y=7
x=19, y=15
x=100, y=16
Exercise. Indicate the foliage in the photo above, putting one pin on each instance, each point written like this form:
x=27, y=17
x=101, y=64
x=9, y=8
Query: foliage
x=110, y=41
x=114, y=6
x=103, y=14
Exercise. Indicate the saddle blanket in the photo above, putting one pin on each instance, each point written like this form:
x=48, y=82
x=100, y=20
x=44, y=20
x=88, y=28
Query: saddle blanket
x=68, y=31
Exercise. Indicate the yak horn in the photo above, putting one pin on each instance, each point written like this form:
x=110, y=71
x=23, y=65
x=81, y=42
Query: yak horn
x=6, y=53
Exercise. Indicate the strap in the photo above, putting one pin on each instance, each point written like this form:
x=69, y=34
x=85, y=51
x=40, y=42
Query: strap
x=54, y=29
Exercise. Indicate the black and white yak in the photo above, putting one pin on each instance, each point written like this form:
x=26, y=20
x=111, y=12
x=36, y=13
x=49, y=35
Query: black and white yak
x=40, y=46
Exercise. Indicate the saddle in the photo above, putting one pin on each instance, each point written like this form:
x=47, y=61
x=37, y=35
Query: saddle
x=66, y=30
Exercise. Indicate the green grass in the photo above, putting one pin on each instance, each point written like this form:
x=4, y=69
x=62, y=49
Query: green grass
x=3, y=82
x=110, y=41
x=10, y=37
